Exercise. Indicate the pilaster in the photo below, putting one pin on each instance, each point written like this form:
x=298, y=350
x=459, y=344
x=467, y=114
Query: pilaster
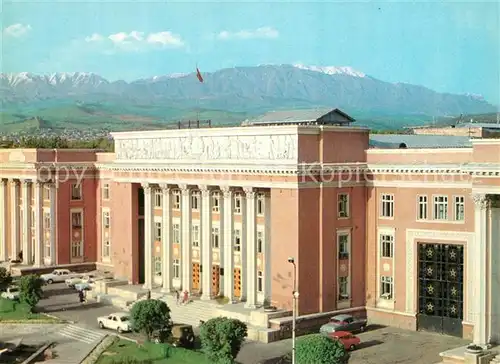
x=206, y=243
x=14, y=220
x=251, y=251
x=27, y=253
x=3, y=220
x=494, y=256
x=186, y=238
x=39, y=238
x=228, y=251
x=166, y=248
x=148, y=236
x=53, y=223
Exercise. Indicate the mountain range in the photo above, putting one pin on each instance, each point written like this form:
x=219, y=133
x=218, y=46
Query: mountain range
x=242, y=90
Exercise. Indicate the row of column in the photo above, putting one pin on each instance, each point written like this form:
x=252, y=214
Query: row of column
x=20, y=236
x=227, y=250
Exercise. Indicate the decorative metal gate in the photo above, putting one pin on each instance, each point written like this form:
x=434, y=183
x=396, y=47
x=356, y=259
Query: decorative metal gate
x=440, y=288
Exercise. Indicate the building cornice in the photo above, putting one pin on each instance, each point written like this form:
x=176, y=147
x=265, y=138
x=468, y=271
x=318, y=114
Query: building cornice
x=464, y=150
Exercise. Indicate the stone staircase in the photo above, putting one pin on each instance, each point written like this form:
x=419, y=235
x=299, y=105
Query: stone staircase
x=496, y=360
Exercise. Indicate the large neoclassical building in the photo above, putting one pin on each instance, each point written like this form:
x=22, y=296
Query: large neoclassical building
x=406, y=227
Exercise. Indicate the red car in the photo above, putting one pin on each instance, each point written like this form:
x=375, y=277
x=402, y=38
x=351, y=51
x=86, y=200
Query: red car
x=349, y=340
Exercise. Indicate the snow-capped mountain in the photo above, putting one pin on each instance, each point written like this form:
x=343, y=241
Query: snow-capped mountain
x=332, y=70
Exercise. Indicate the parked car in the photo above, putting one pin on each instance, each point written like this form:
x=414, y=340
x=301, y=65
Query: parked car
x=182, y=336
x=343, y=323
x=71, y=282
x=349, y=340
x=11, y=293
x=59, y=275
x=116, y=321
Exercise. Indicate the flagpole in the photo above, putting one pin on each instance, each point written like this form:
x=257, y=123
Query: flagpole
x=198, y=103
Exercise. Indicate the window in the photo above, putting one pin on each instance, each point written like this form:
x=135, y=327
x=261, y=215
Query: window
x=215, y=237
x=441, y=207
x=195, y=201
x=157, y=266
x=158, y=231
x=46, y=220
x=387, y=206
x=46, y=193
x=176, y=268
x=106, y=249
x=32, y=217
x=237, y=203
x=237, y=240
x=459, y=208
x=76, y=249
x=76, y=219
x=422, y=208
x=105, y=191
x=386, y=286
x=76, y=191
x=343, y=205
x=105, y=219
x=261, y=199
x=260, y=281
x=343, y=288
x=195, y=235
x=386, y=245
x=260, y=242
x=215, y=202
x=176, y=200
x=343, y=244
x=158, y=198
x=47, y=249
x=176, y=234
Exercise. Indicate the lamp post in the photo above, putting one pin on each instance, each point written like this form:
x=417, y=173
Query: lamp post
x=295, y=294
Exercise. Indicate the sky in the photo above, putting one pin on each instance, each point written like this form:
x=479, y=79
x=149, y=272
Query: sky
x=446, y=46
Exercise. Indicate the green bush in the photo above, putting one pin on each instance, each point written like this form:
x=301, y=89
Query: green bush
x=151, y=315
x=30, y=290
x=132, y=361
x=221, y=339
x=5, y=279
x=7, y=305
x=319, y=349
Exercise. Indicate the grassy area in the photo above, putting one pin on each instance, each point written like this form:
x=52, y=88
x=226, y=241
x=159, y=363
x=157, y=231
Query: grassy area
x=16, y=311
x=151, y=353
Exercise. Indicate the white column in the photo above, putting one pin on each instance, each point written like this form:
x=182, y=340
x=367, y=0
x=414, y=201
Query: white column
x=148, y=236
x=228, y=254
x=39, y=238
x=27, y=253
x=251, y=251
x=206, y=243
x=53, y=223
x=14, y=219
x=479, y=270
x=166, y=264
x=494, y=255
x=186, y=238
x=3, y=220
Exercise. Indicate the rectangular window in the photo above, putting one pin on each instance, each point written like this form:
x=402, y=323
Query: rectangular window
x=422, y=207
x=46, y=193
x=176, y=268
x=387, y=205
x=106, y=249
x=195, y=235
x=76, y=249
x=158, y=231
x=459, y=208
x=260, y=242
x=32, y=218
x=216, y=202
x=157, y=266
x=105, y=219
x=105, y=191
x=47, y=249
x=343, y=244
x=343, y=205
x=176, y=199
x=237, y=203
x=386, y=287
x=261, y=200
x=76, y=219
x=76, y=191
x=237, y=240
x=440, y=207
x=215, y=237
x=195, y=201
x=386, y=245
x=46, y=220
x=343, y=288
x=260, y=281
x=176, y=234
x=158, y=198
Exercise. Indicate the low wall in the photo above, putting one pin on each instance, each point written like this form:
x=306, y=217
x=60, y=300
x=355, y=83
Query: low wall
x=77, y=268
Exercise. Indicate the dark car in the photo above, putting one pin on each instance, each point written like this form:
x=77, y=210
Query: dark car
x=343, y=323
x=182, y=336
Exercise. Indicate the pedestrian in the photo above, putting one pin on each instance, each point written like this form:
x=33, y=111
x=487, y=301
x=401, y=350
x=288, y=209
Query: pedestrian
x=186, y=295
x=81, y=296
x=177, y=297
x=149, y=294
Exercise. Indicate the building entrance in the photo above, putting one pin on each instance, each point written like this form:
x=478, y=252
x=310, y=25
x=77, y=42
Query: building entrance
x=196, y=277
x=237, y=283
x=215, y=280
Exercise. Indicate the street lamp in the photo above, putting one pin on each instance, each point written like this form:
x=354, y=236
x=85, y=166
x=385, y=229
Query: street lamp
x=295, y=294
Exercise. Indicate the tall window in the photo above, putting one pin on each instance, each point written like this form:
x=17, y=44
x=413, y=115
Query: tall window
x=176, y=234
x=157, y=266
x=46, y=193
x=105, y=219
x=195, y=235
x=46, y=220
x=441, y=207
x=76, y=249
x=260, y=281
x=386, y=287
x=422, y=207
x=260, y=242
x=176, y=268
x=106, y=249
x=237, y=203
x=158, y=198
x=343, y=288
x=387, y=205
x=261, y=200
x=343, y=244
x=237, y=240
x=195, y=201
x=459, y=208
x=216, y=202
x=343, y=205
x=76, y=191
x=176, y=199
x=215, y=237
x=386, y=245
x=105, y=191
x=158, y=234
x=76, y=219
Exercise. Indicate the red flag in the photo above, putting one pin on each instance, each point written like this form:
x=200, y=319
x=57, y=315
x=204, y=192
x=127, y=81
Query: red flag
x=198, y=74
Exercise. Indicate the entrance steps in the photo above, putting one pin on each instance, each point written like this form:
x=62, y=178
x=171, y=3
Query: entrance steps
x=496, y=360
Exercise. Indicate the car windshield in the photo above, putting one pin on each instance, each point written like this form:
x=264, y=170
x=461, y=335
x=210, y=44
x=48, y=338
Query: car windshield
x=335, y=321
x=124, y=318
x=14, y=289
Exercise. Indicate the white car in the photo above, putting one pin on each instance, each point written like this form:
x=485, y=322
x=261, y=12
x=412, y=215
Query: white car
x=71, y=282
x=116, y=321
x=12, y=293
x=59, y=275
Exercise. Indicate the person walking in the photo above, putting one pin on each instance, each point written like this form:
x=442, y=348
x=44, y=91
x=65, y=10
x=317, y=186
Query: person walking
x=149, y=294
x=186, y=297
x=81, y=296
x=177, y=297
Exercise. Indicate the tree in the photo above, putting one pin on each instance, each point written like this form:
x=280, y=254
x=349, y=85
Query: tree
x=221, y=339
x=30, y=290
x=150, y=315
x=319, y=349
x=5, y=278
